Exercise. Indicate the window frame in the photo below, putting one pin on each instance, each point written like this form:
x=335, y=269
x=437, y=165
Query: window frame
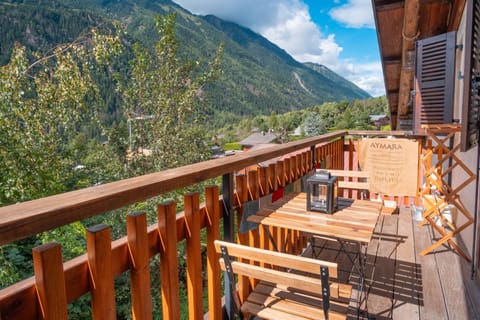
x=471, y=95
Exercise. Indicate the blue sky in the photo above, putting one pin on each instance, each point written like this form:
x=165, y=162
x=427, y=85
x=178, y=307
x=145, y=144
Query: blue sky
x=339, y=34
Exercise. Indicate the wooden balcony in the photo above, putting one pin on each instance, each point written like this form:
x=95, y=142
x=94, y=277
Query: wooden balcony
x=400, y=282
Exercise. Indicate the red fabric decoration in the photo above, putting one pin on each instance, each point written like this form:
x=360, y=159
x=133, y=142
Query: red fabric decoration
x=277, y=195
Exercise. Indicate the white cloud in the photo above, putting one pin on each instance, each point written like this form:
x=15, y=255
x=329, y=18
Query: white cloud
x=288, y=24
x=354, y=14
x=253, y=14
x=367, y=75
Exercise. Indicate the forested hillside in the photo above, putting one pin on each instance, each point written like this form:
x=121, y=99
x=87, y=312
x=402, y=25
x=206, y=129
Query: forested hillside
x=258, y=77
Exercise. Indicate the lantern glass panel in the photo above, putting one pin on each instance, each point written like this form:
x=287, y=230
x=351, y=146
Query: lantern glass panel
x=319, y=197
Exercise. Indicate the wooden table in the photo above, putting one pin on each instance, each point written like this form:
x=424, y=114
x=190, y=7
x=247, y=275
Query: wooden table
x=353, y=222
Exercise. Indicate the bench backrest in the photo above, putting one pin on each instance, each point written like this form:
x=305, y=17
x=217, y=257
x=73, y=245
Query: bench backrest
x=360, y=179
x=263, y=258
x=253, y=262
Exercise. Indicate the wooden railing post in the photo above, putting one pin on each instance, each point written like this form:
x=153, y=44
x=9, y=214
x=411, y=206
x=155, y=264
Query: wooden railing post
x=228, y=223
x=312, y=157
x=293, y=168
x=50, y=281
x=351, y=151
x=303, y=163
x=139, y=266
x=194, y=256
x=320, y=155
x=287, y=172
x=99, y=252
x=272, y=177
x=262, y=181
x=280, y=172
x=279, y=233
x=213, y=268
x=167, y=229
x=299, y=165
x=265, y=189
x=272, y=183
x=242, y=238
x=253, y=195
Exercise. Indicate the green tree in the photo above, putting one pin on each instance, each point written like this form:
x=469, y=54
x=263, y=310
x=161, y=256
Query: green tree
x=347, y=121
x=170, y=93
x=36, y=111
x=273, y=121
x=42, y=106
x=313, y=124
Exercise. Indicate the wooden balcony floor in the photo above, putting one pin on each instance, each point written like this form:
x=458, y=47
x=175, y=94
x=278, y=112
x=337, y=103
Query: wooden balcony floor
x=400, y=283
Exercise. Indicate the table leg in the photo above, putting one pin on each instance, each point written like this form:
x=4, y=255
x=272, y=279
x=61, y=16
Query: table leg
x=360, y=268
x=363, y=266
x=270, y=237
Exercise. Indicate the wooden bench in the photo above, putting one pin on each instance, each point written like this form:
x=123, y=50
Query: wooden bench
x=295, y=288
x=360, y=177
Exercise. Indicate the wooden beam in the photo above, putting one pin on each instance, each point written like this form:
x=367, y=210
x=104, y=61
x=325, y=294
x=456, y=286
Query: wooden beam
x=392, y=60
x=456, y=15
x=382, y=5
x=409, y=34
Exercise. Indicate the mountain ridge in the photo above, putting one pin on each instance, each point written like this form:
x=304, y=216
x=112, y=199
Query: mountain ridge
x=258, y=76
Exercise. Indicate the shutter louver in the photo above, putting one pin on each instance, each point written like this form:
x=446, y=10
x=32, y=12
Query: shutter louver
x=434, y=80
x=471, y=108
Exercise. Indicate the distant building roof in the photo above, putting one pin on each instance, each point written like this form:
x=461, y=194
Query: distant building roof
x=258, y=138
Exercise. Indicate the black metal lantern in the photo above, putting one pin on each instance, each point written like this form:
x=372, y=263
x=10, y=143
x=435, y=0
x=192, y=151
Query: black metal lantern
x=322, y=192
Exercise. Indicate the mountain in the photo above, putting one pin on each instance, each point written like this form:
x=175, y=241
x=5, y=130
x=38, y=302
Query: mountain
x=258, y=76
x=326, y=72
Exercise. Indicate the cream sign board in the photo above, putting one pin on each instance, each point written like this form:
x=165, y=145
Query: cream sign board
x=392, y=165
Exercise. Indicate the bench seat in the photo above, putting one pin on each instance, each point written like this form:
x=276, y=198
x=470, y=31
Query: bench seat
x=269, y=301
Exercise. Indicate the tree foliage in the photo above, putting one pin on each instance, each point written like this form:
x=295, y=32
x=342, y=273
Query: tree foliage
x=41, y=105
x=166, y=95
x=313, y=125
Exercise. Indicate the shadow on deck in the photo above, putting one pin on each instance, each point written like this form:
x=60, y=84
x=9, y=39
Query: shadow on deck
x=401, y=284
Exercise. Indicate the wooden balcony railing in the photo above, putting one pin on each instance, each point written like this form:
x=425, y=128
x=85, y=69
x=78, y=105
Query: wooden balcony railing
x=56, y=283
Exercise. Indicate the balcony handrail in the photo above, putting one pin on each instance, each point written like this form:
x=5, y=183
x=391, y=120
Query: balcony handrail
x=29, y=218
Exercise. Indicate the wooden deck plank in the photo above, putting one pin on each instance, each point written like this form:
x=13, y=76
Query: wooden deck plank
x=433, y=303
x=472, y=291
x=329, y=250
x=457, y=303
x=354, y=280
x=422, y=288
x=380, y=298
x=408, y=286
